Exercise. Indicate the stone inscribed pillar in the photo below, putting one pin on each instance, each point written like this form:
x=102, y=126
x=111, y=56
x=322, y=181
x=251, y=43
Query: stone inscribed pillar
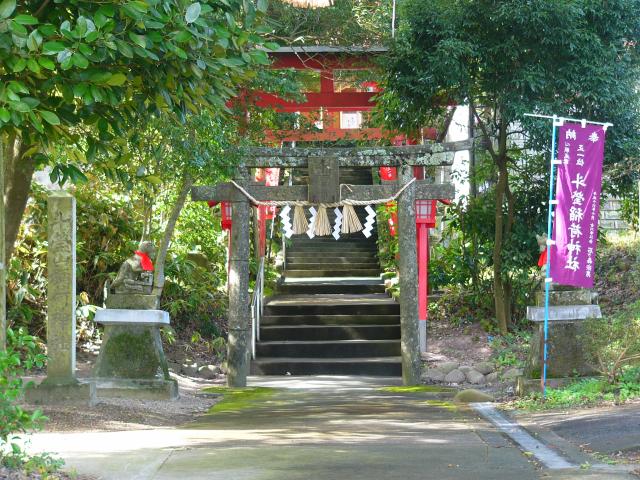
x=408, y=266
x=61, y=292
x=61, y=385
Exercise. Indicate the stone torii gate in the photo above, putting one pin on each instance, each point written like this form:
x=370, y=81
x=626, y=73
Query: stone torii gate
x=324, y=187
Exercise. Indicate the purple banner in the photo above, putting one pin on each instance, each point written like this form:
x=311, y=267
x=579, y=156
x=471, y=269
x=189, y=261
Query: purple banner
x=575, y=227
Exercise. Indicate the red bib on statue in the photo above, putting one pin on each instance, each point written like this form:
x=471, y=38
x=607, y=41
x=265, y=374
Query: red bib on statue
x=145, y=261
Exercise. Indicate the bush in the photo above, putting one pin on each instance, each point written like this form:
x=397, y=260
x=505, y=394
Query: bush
x=21, y=354
x=611, y=344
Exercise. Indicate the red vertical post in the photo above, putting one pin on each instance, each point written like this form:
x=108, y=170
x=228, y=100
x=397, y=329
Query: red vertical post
x=423, y=269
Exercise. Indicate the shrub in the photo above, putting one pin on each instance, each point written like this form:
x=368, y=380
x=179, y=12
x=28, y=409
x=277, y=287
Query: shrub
x=611, y=344
x=21, y=354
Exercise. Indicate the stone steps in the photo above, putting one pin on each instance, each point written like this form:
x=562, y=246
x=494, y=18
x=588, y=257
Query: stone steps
x=372, y=366
x=331, y=332
x=331, y=315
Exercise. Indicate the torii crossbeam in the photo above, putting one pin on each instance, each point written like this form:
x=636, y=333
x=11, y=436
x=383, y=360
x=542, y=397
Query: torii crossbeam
x=324, y=188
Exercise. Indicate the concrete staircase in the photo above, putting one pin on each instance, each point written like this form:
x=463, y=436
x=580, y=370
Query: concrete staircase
x=330, y=315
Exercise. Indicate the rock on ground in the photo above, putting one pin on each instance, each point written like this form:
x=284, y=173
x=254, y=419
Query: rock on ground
x=485, y=368
x=448, y=367
x=465, y=368
x=455, y=376
x=433, y=375
x=472, y=396
x=475, y=377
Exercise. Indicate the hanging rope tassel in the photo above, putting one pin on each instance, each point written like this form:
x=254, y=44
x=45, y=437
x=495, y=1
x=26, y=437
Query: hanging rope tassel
x=323, y=226
x=350, y=222
x=300, y=224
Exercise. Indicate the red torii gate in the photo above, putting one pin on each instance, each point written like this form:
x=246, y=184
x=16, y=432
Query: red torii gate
x=329, y=101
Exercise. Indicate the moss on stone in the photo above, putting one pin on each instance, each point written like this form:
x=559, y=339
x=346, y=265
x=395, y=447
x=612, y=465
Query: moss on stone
x=129, y=353
x=442, y=404
x=235, y=399
x=418, y=389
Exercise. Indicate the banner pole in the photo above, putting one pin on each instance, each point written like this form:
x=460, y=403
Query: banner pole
x=548, y=280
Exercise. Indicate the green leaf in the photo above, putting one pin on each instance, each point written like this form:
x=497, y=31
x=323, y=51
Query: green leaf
x=193, y=12
x=182, y=36
x=50, y=117
x=6, y=8
x=46, y=63
x=139, y=40
x=117, y=79
x=262, y=6
x=26, y=20
x=20, y=107
x=124, y=48
x=32, y=64
x=153, y=179
x=5, y=116
x=50, y=48
x=80, y=60
x=20, y=65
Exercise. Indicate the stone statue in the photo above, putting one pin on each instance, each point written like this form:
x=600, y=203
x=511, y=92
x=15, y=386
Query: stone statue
x=136, y=273
x=542, y=260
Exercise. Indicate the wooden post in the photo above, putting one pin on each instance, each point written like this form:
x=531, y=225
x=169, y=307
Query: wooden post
x=239, y=308
x=3, y=266
x=408, y=264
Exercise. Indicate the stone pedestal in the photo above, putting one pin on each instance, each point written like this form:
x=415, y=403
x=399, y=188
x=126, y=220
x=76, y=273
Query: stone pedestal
x=568, y=309
x=61, y=385
x=131, y=362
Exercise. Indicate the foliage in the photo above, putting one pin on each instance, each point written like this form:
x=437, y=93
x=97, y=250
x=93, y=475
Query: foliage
x=21, y=354
x=109, y=228
x=611, y=343
x=494, y=56
x=103, y=241
x=510, y=350
x=387, y=243
x=585, y=392
x=344, y=23
x=104, y=64
x=618, y=272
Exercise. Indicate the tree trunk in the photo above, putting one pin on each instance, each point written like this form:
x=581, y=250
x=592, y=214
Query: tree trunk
x=17, y=186
x=502, y=296
x=161, y=256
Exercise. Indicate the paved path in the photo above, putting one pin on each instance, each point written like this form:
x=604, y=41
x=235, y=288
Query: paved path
x=312, y=429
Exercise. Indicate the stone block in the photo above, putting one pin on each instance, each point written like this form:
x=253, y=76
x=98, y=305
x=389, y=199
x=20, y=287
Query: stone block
x=131, y=351
x=72, y=393
x=564, y=313
x=132, y=301
x=565, y=354
x=110, y=316
x=465, y=368
x=582, y=296
x=492, y=377
x=137, y=389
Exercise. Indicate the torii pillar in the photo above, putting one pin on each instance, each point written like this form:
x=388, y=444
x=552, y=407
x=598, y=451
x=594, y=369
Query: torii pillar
x=239, y=300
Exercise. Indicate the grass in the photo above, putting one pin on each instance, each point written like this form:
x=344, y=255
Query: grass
x=584, y=393
x=236, y=399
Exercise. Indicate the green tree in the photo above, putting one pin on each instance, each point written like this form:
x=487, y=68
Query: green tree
x=505, y=58
x=83, y=73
